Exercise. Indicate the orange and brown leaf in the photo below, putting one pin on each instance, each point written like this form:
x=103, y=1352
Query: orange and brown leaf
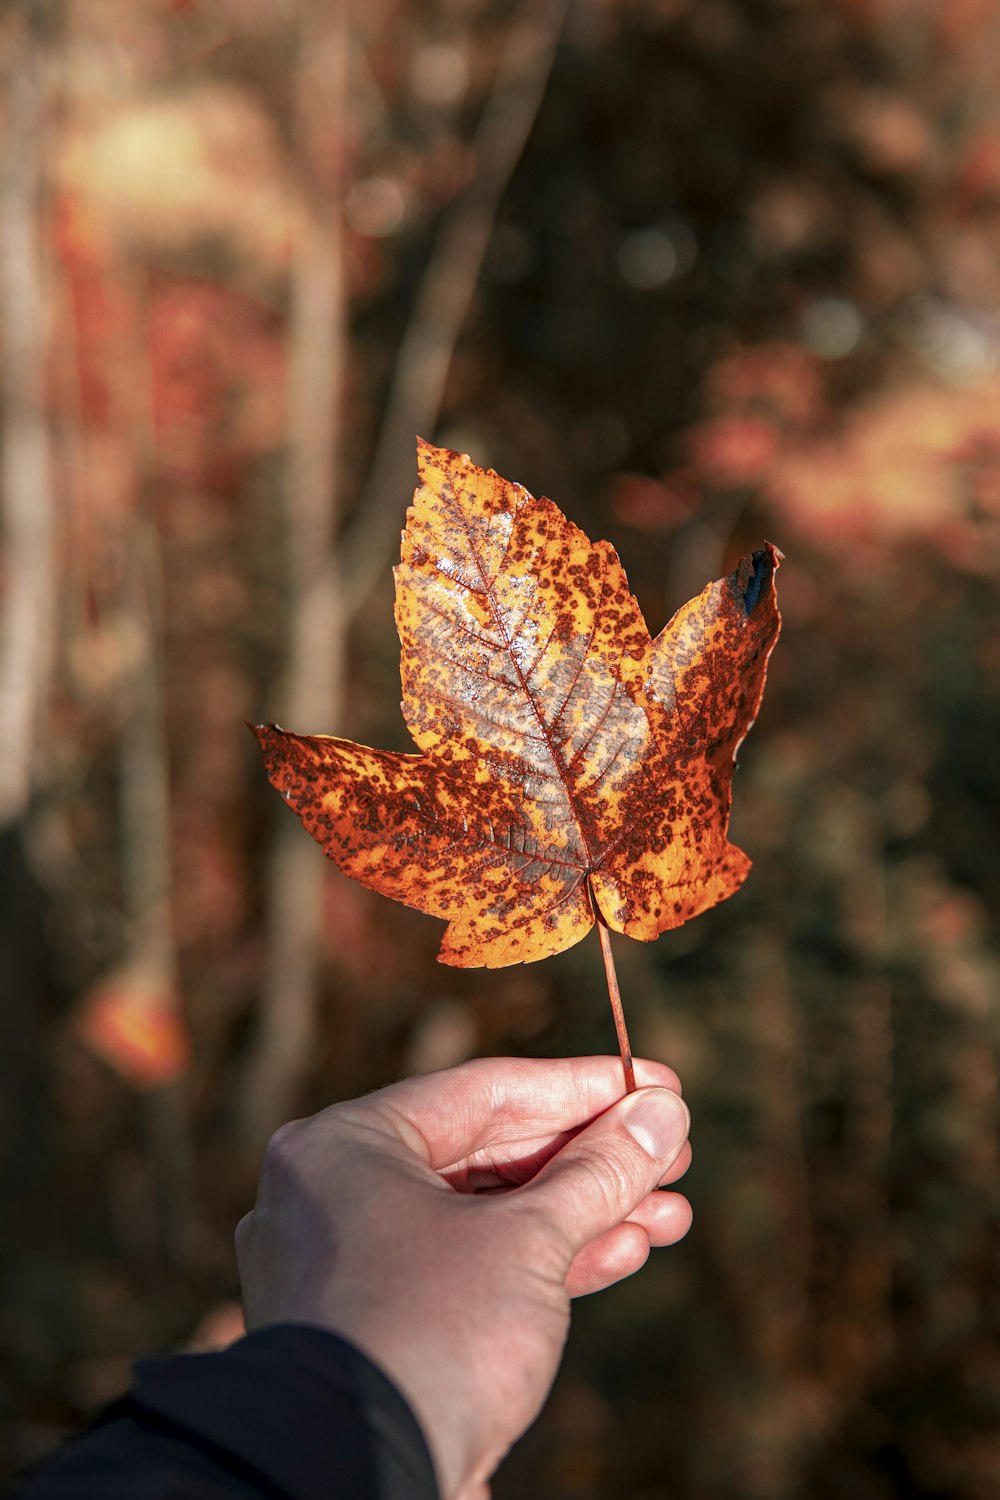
x=566, y=759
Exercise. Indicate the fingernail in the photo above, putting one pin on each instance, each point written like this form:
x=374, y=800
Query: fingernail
x=659, y=1121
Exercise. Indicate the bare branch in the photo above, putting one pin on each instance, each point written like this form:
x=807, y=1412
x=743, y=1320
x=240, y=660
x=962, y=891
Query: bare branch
x=442, y=305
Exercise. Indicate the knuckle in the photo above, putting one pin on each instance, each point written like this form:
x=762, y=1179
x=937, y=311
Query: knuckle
x=281, y=1150
x=281, y=1141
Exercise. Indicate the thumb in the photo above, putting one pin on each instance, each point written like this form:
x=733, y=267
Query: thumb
x=603, y=1173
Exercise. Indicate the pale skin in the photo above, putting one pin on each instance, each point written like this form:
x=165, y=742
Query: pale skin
x=443, y=1225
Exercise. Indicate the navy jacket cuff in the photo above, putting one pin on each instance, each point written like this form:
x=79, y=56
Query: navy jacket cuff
x=302, y=1407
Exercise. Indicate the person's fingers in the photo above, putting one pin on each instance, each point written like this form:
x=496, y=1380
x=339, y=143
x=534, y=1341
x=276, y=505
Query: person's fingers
x=661, y=1218
x=665, y=1217
x=617, y=1253
x=604, y=1172
x=483, y=1173
x=503, y=1108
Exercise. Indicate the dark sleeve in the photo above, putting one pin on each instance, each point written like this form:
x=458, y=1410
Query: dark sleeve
x=289, y=1412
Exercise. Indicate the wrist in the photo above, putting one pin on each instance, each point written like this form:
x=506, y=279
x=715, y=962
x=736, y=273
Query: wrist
x=436, y=1378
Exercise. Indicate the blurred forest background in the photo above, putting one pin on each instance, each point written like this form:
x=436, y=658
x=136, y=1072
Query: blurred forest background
x=702, y=271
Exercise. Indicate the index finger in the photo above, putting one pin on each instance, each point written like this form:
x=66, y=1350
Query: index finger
x=505, y=1107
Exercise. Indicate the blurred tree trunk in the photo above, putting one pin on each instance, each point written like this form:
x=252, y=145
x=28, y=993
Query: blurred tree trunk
x=27, y=584
x=330, y=586
x=154, y=980
x=26, y=491
x=313, y=688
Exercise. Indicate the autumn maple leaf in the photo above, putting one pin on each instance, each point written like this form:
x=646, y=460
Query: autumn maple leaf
x=571, y=769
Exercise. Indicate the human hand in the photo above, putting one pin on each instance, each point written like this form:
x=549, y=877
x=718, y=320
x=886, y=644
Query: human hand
x=443, y=1224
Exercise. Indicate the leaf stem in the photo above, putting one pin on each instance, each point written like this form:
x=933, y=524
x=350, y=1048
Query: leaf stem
x=615, y=996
